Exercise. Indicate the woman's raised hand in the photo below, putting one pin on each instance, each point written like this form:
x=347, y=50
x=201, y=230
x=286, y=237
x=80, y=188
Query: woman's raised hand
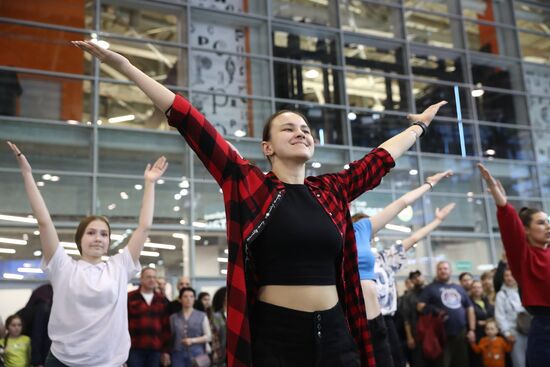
x=108, y=57
x=495, y=187
x=154, y=172
x=442, y=213
x=21, y=160
x=428, y=115
x=434, y=180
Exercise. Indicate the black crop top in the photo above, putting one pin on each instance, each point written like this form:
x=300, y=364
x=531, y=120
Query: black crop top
x=300, y=244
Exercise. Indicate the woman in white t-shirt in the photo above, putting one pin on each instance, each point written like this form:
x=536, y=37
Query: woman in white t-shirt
x=89, y=323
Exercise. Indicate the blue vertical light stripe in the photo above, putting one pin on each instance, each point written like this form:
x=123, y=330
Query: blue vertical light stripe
x=459, y=118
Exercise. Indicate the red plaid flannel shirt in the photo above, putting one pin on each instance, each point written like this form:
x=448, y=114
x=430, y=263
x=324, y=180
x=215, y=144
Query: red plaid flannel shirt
x=149, y=325
x=250, y=196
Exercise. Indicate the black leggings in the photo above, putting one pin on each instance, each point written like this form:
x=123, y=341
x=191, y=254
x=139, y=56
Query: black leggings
x=380, y=342
x=291, y=338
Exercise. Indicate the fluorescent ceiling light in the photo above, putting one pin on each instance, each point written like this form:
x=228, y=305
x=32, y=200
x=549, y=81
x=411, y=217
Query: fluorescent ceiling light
x=199, y=224
x=68, y=244
x=197, y=237
x=7, y=251
x=13, y=218
x=222, y=259
x=13, y=276
x=395, y=227
x=240, y=133
x=160, y=245
x=114, y=120
x=30, y=270
x=316, y=164
x=150, y=253
x=72, y=251
x=311, y=74
x=12, y=241
x=223, y=271
x=179, y=235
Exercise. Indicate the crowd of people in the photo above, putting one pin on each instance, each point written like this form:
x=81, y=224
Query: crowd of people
x=304, y=287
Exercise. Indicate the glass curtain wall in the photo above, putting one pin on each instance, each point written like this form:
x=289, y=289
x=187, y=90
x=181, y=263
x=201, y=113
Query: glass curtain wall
x=355, y=68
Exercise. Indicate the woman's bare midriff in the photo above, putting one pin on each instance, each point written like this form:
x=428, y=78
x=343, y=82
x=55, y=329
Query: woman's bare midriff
x=370, y=295
x=307, y=298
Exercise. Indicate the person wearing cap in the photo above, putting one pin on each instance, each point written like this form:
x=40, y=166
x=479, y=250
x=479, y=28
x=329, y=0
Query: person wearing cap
x=410, y=317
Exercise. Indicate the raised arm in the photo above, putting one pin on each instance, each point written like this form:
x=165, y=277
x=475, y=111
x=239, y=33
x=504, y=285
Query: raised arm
x=400, y=143
x=48, y=235
x=440, y=216
x=387, y=214
x=495, y=187
x=161, y=96
x=138, y=238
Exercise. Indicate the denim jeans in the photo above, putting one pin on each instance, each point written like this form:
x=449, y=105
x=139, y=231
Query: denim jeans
x=538, y=342
x=143, y=358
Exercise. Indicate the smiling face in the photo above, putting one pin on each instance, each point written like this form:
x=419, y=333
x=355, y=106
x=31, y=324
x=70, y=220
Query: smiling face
x=95, y=239
x=289, y=139
x=538, y=230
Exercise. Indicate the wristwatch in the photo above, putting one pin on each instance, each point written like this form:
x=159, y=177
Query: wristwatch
x=422, y=125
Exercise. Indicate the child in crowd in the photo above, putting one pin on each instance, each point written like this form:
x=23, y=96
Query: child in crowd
x=16, y=347
x=492, y=347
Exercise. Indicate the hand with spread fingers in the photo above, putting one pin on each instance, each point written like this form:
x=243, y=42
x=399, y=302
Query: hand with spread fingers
x=428, y=115
x=495, y=187
x=442, y=213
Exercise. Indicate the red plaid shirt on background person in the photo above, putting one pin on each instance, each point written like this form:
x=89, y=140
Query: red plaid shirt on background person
x=149, y=325
x=250, y=196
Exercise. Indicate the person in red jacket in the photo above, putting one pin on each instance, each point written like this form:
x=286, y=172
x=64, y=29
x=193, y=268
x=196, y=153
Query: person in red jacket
x=493, y=348
x=294, y=295
x=526, y=239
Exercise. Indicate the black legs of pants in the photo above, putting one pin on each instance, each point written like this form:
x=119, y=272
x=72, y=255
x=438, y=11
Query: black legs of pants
x=395, y=343
x=380, y=342
x=283, y=337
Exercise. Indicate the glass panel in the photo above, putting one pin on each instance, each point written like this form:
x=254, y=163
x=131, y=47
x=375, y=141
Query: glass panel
x=209, y=250
x=490, y=39
x=208, y=206
x=126, y=152
x=45, y=97
x=223, y=32
x=535, y=47
x=48, y=147
x=467, y=216
x=21, y=45
x=378, y=93
x=496, y=74
x=542, y=145
x=426, y=94
x=465, y=179
x=500, y=142
x=545, y=178
x=440, y=6
x=327, y=160
x=432, y=30
x=539, y=110
x=532, y=17
x=223, y=73
x=305, y=46
x=465, y=254
x=126, y=105
x=77, y=14
x=371, y=55
x=233, y=116
x=68, y=198
x=373, y=19
x=120, y=200
x=305, y=11
x=444, y=137
x=537, y=80
x=167, y=65
x=489, y=11
x=307, y=83
x=241, y=6
x=517, y=204
x=501, y=107
x=517, y=179
x=403, y=177
x=433, y=64
x=372, y=129
x=158, y=22
x=22, y=257
x=326, y=123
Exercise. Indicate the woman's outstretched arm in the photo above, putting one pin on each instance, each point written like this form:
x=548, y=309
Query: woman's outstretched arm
x=401, y=142
x=161, y=96
x=387, y=214
x=440, y=216
x=151, y=175
x=48, y=235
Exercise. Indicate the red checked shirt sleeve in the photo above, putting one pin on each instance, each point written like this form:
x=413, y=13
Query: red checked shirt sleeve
x=365, y=173
x=219, y=158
